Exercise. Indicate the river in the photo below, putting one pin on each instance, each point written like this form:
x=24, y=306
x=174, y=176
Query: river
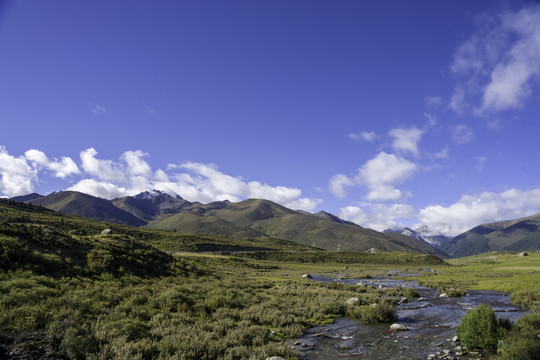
x=431, y=324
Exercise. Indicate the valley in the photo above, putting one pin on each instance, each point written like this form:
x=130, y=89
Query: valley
x=71, y=290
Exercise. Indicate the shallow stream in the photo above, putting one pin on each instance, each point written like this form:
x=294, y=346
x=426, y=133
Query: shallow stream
x=431, y=324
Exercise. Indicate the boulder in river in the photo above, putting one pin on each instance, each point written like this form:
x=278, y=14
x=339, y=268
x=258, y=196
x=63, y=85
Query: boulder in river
x=397, y=326
x=275, y=358
x=307, y=276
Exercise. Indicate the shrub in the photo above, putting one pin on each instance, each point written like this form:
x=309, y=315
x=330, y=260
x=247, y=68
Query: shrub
x=525, y=298
x=411, y=293
x=333, y=308
x=379, y=313
x=523, y=340
x=480, y=328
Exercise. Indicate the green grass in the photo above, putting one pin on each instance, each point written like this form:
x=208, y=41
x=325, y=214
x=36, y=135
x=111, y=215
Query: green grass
x=347, y=257
x=67, y=290
x=70, y=292
x=496, y=271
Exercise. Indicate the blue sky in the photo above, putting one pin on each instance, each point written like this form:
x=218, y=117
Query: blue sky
x=386, y=113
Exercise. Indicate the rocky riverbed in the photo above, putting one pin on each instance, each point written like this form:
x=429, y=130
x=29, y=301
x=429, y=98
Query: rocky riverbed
x=426, y=327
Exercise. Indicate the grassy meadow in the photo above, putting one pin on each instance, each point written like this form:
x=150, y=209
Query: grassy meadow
x=70, y=291
x=496, y=271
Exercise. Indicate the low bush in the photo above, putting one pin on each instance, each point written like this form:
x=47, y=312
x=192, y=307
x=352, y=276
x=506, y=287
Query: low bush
x=526, y=298
x=411, y=293
x=481, y=329
x=379, y=313
x=523, y=341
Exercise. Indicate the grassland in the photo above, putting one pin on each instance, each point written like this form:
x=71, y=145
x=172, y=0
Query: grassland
x=67, y=291
x=70, y=291
x=496, y=271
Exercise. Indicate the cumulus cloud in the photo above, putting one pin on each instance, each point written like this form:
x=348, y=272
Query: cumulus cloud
x=17, y=176
x=204, y=182
x=192, y=181
x=473, y=210
x=61, y=168
x=132, y=174
x=381, y=173
x=101, y=189
x=406, y=140
x=368, y=136
x=338, y=184
x=107, y=170
x=499, y=65
x=378, y=216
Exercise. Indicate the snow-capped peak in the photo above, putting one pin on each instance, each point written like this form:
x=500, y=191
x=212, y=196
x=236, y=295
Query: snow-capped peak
x=152, y=195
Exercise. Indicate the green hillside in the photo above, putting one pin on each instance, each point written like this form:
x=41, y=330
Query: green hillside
x=44, y=241
x=245, y=219
x=521, y=234
x=77, y=288
x=258, y=217
x=76, y=203
x=188, y=222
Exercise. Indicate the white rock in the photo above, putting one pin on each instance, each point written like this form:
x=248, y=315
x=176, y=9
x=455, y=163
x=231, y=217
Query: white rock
x=397, y=326
x=352, y=301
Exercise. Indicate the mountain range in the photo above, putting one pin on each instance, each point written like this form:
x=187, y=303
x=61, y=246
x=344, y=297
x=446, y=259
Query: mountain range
x=254, y=218
x=521, y=234
x=422, y=233
x=248, y=218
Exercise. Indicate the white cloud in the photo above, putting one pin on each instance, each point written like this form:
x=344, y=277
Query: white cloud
x=457, y=102
x=338, y=184
x=132, y=174
x=192, y=181
x=62, y=168
x=473, y=210
x=480, y=163
x=17, y=177
x=135, y=163
x=106, y=170
x=462, y=134
x=100, y=189
x=511, y=78
x=368, y=136
x=205, y=182
x=97, y=109
x=432, y=120
x=406, y=140
x=499, y=65
x=379, y=216
x=381, y=173
x=443, y=154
